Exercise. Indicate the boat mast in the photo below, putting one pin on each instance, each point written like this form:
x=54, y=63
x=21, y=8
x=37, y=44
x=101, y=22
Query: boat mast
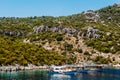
x=66, y=53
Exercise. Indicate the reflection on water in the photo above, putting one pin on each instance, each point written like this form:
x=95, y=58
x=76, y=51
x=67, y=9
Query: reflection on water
x=25, y=75
x=45, y=75
x=60, y=77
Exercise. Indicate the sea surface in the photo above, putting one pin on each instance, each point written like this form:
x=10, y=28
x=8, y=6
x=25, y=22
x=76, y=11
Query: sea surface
x=107, y=74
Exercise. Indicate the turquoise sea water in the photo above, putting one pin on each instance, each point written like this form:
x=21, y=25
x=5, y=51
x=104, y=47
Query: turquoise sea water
x=108, y=74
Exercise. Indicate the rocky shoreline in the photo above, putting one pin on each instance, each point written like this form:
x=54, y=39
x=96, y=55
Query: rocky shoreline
x=11, y=68
x=17, y=67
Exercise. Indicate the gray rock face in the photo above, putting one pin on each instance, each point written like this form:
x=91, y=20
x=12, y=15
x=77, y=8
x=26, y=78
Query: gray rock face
x=10, y=33
x=54, y=29
x=118, y=5
x=69, y=30
x=39, y=29
x=91, y=16
x=91, y=32
x=43, y=28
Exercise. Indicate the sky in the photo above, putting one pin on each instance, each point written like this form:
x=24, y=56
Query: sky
x=27, y=8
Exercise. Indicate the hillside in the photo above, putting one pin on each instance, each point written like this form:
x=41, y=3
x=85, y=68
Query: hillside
x=88, y=36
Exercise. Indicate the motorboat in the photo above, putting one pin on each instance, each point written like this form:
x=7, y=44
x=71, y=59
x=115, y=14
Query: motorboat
x=66, y=69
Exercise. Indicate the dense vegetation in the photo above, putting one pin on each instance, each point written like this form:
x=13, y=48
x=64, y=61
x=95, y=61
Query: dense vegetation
x=14, y=51
x=14, y=30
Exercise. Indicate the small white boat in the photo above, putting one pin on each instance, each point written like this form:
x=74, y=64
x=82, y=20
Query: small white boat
x=63, y=69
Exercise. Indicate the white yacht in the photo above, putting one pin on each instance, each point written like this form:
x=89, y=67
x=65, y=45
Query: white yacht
x=66, y=69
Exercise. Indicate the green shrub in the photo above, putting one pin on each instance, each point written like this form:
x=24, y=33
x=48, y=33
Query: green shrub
x=59, y=38
x=80, y=50
x=86, y=53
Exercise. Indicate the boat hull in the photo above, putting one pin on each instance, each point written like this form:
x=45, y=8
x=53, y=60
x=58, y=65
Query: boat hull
x=67, y=72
